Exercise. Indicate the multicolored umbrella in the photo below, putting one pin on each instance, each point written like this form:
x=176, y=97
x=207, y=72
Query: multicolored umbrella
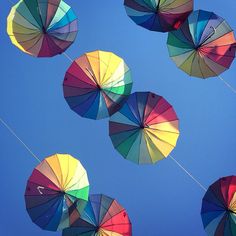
x=97, y=84
x=103, y=216
x=57, y=192
x=42, y=28
x=219, y=208
x=204, y=46
x=159, y=15
x=145, y=129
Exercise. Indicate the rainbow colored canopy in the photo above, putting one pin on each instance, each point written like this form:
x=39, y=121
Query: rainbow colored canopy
x=159, y=15
x=219, y=208
x=145, y=129
x=57, y=192
x=42, y=28
x=204, y=46
x=97, y=84
x=103, y=216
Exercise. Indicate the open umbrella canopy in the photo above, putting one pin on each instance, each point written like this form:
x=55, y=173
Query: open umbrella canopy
x=57, y=192
x=219, y=208
x=159, y=15
x=97, y=84
x=145, y=129
x=103, y=216
x=42, y=28
x=204, y=46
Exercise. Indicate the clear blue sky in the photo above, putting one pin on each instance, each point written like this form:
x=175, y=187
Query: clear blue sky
x=161, y=200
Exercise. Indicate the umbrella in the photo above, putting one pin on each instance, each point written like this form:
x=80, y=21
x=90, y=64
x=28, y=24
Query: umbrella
x=42, y=28
x=204, y=46
x=57, y=192
x=103, y=216
x=145, y=129
x=97, y=84
x=219, y=208
x=159, y=15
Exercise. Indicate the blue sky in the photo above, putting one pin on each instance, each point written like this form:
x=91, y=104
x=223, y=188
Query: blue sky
x=161, y=199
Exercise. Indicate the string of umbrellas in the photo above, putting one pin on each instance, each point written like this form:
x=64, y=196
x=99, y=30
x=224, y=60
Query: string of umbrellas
x=143, y=126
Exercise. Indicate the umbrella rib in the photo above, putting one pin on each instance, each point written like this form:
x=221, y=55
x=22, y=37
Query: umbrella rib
x=205, y=43
x=117, y=80
x=188, y=173
x=111, y=216
x=168, y=108
x=57, y=203
x=167, y=6
x=42, y=203
x=66, y=187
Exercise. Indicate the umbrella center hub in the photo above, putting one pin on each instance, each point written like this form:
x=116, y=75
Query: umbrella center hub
x=142, y=126
x=44, y=30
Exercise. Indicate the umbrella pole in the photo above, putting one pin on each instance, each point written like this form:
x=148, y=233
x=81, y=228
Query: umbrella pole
x=227, y=84
x=17, y=137
x=188, y=173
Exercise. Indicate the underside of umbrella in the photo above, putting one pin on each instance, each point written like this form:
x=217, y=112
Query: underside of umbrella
x=42, y=28
x=204, y=46
x=103, y=216
x=97, y=84
x=159, y=15
x=145, y=129
x=57, y=192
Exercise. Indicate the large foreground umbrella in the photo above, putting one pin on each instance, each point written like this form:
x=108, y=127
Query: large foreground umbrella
x=103, y=216
x=57, y=192
x=219, y=208
x=159, y=15
x=42, y=28
x=204, y=46
x=97, y=84
x=145, y=129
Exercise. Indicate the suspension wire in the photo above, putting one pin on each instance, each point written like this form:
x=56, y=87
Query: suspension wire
x=188, y=173
x=17, y=137
x=11, y=2
x=227, y=84
x=67, y=56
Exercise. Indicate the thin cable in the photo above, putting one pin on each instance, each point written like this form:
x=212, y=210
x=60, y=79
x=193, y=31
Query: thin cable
x=11, y=2
x=227, y=84
x=15, y=135
x=67, y=56
x=190, y=175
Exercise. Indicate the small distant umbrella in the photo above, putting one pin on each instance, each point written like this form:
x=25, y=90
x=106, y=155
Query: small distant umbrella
x=204, y=46
x=57, y=192
x=219, y=208
x=145, y=129
x=103, y=216
x=159, y=15
x=97, y=84
x=42, y=28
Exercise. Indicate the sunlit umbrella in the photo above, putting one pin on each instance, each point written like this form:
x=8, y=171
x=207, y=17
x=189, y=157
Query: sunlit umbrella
x=159, y=15
x=219, y=208
x=145, y=129
x=57, y=192
x=204, y=46
x=42, y=28
x=97, y=84
x=103, y=216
